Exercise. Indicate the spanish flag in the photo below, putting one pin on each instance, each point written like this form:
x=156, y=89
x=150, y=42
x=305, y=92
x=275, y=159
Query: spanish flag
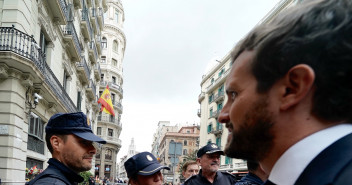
x=106, y=103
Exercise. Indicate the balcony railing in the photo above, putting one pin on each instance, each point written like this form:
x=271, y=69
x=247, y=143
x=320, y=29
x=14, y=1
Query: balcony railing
x=59, y=10
x=98, y=43
x=112, y=86
x=91, y=90
x=70, y=30
x=97, y=71
x=109, y=119
x=35, y=144
x=218, y=80
x=86, y=25
x=101, y=17
x=24, y=45
x=93, y=53
x=218, y=97
x=118, y=105
x=83, y=69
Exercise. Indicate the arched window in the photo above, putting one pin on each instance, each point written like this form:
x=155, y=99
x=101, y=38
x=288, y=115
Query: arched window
x=184, y=151
x=104, y=42
x=185, y=142
x=115, y=45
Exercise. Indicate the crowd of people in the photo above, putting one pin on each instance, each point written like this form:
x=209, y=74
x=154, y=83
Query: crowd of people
x=288, y=110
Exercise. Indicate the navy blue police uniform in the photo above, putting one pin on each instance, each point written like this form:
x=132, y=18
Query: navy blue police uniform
x=221, y=178
x=63, y=124
x=143, y=163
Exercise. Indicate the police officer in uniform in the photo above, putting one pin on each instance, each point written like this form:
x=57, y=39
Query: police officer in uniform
x=144, y=169
x=208, y=157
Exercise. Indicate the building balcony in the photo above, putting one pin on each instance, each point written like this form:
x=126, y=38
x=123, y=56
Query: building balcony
x=91, y=91
x=83, y=71
x=59, y=11
x=217, y=130
x=201, y=97
x=97, y=71
x=93, y=53
x=220, y=80
x=219, y=97
x=215, y=114
x=77, y=4
x=86, y=26
x=112, y=140
x=242, y=166
x=113, y=86
x=98, y=43
x=70, y=36
x=107, y=119
x=101, y=17
x=118, y=106
x=20, y=50
x=199, y=113
x=94, y=19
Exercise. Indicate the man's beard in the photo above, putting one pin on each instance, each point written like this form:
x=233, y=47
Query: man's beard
x=253, y=139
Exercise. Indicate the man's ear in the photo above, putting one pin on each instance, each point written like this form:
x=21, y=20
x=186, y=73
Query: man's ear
x=55, y=142
x=198, y=161
x=297, y=83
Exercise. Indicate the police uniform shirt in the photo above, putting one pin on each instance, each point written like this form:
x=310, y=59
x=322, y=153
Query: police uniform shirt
x=221, y=178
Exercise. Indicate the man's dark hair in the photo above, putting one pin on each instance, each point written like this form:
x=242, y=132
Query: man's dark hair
x=318, y=34
x=48, y=143
x=252, y=165
x=186, y=164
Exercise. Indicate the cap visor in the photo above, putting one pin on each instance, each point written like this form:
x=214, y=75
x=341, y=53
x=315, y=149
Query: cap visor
x=90, y=137
x=216, y=151
x=151, y=169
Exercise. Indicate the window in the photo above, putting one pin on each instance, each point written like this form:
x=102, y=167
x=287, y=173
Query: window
x=113, y=98
x=107, y=168
x=104, y=42
x=211, y=112
x=36, y=126
x=79, y=100
x=114, y=62
x=221, y=72
x=110, y=132
x=98, y=130
x=115, y=45
x=103, y=59
x=65, y=81
x=210, y=127
x=102, y=77
x=221, y=89
x=35, y=134
x=218, y=126
x=219, y=106
x=116, y=15
x=30, y=163
x=185, y=142
x=113, y=79
x=43, y=42
x=211, y=98
x=228, y=160
x=218, y=141
x=184, y=151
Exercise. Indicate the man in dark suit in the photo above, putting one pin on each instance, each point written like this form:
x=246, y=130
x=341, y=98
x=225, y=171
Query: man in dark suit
x=289, y=95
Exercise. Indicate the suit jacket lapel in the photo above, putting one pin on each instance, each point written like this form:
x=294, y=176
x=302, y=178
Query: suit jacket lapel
x=327, y=165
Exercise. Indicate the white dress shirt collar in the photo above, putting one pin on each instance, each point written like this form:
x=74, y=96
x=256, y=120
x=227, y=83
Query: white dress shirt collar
x=292, y=163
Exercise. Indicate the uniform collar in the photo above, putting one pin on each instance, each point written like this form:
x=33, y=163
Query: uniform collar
x=69, y=174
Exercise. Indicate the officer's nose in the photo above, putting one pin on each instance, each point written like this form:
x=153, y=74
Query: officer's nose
x=224, y=115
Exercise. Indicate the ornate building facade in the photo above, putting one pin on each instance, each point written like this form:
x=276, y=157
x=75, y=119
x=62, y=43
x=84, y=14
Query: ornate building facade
x=49, y=63
x=113, y=48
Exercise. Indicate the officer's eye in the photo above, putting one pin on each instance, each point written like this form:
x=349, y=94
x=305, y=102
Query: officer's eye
x=233, y=95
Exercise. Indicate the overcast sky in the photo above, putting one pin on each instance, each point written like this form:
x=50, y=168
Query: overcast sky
x=169, y=45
